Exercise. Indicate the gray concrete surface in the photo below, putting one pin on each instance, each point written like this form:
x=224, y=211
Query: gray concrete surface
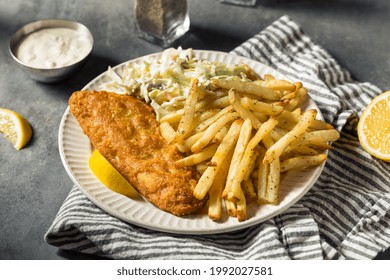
x=33, y=182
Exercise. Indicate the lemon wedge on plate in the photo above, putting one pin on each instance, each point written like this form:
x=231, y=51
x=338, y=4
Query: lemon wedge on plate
x=15, y=128
x=374, y=127
x=109, y=176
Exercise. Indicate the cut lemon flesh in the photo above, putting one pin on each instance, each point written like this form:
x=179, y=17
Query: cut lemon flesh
x=109, y=176
x=374, y=127
x=15, y=128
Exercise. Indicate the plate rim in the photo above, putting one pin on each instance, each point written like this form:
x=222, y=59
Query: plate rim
x=222, y=228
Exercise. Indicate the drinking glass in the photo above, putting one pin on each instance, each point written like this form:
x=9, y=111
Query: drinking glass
x=161, y=21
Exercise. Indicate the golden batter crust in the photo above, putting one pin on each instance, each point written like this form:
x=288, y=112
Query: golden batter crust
x=125, y=131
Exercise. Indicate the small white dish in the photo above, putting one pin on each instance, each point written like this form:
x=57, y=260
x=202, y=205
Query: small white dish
x=54, y=74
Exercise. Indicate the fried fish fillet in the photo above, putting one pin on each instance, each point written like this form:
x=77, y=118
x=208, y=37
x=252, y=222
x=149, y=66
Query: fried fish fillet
x=125, y=131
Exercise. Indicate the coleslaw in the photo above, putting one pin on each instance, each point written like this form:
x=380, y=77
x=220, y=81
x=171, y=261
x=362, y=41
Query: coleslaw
x=163, y=81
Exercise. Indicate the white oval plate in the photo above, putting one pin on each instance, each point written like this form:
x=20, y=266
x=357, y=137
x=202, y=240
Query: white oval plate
x=75, y=150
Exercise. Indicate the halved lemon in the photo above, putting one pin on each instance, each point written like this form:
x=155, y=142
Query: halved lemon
x=374, y=127
x=109, y=176
x=15, y=128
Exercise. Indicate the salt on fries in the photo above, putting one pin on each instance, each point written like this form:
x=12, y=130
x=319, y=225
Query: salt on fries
x=242, y=135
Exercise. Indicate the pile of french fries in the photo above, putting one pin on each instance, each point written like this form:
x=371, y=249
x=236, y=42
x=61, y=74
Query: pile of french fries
x=242, y=134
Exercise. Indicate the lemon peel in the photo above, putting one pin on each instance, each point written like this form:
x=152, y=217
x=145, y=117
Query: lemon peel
x=15, y=128
x=109, y=176
x=374, y=127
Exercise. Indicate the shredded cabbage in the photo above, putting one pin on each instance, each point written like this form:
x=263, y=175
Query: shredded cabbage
x=164, y=81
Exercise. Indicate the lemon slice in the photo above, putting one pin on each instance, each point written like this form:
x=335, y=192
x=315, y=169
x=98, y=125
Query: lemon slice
x=109, y=176
x=374, y=127
x=15, y=128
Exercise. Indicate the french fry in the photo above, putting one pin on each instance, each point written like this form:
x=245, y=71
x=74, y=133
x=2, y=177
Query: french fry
x=245, y=162
x=190, y=141
x=220, y=135
x=288, y=96
x=298, y=85
x=247, y=87
x=268, y=77
x=286, y=125
x=212, y=130
x=223, y=149
x=262, y=107
x=205, y=124
x=306, y=150
x=173, y=117
x=268, y=141
x=242, y=142
x=294, y=118
x=281, y=132
x=262, y=180
x=241, y=206
x=219, y=103
x=277, y=149
x=248, y=188
x=301, y=162
x=300, y=94
x=203, y=103
x=201, y=167
x=320, y=137
x=215, y=192
x=231, y=208
x=167, y=132
x=297, y=112
x=244, y=113
x=252, y=164
x=189, y=112
x=200, y=118
x=273, y=182
x=250, y=73
x=292, y=94
x=260, y=116
x=220, y=92
x=255, y=173
x=197, y=158
x=271, y=178
x=176, y=115
x=279, y=85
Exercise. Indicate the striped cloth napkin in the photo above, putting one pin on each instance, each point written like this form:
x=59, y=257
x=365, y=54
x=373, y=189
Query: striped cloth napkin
x=346, y=214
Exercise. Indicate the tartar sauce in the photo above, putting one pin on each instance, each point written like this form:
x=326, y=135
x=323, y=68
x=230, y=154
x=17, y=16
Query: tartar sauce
x=53, y=48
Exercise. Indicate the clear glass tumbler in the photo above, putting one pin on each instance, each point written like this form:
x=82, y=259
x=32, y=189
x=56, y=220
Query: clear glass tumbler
x=161, y=21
